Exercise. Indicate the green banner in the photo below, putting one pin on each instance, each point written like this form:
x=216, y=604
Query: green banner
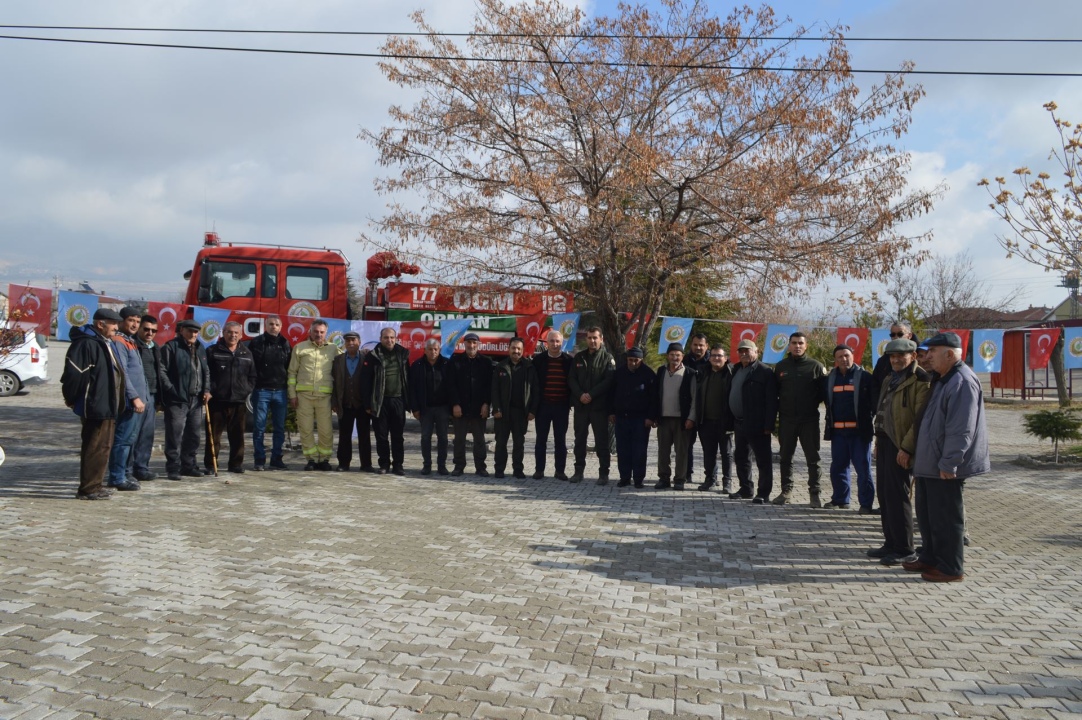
x=490, y=323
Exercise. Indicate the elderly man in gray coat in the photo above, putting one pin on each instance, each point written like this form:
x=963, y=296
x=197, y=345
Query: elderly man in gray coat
x=952, y=445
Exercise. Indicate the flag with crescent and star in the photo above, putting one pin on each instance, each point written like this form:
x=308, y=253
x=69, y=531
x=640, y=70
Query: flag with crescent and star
x=35, y=306
x=744, y=331
x=964, y=335
x=168, y=314
x=855, y=338
x=1041, y=344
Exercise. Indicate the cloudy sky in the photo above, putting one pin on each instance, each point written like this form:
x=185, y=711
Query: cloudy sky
x=113, y=160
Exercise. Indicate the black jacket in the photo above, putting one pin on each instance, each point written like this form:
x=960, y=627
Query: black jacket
x=471, y=383
x=441, y=383
x=706, y=378
x=633, y=393
x=592, y=374
x=177, y=370
x=152, y=367
x=543, y=362
x=760, y=399
x=688, y=391
x=232, y=373
x=349, y=390
x=270, y=354
x=502, y=384
x=373, y=375
x=92, y=383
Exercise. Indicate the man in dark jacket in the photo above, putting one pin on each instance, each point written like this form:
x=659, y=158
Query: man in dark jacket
x=471, y=390
x=634, y=389
x=882, y=369
x=385, y=373
x=752, y=410
x=698, y=359
x=270, y=353
x=136, y=395
x=515, y=394
x=714, y=383
x=800, y=391
x=185, y=382
x=347, y=402
x=952, y=446
x=232, y=378
x=553, y=368
x=430, y=398
x=675, y=415
x=850, y=406
x=150, y=354
x=591, y=384
x=93, y=386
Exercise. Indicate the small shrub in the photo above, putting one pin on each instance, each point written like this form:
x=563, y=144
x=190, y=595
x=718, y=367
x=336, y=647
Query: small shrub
x=1054, y=425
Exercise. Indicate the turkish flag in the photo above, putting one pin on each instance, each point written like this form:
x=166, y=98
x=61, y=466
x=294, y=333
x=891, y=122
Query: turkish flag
x=35, y=306
x=964, y=335
x=296, y=328
x=1041, y=344
x=412, y=335
x=531, y=328
x=633, y=331
x=855, y=339
x=744, y=331
x=168, y=314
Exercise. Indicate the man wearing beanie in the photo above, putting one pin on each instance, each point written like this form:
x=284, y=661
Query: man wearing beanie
x=634, y=388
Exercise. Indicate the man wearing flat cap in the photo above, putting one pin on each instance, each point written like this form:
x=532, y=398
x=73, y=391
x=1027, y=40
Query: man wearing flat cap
x=136, y=397
x=347, y=402
x=751, y=412
x=634, y=388
x=952, y=445
x=185, y=388
x=93, y=387
x=675, y=415
x=902, y=397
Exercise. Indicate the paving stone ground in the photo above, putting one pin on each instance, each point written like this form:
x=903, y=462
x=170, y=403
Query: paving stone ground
x=322, y=595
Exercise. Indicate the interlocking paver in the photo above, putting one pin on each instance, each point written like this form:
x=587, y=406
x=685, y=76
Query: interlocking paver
x=308, y=595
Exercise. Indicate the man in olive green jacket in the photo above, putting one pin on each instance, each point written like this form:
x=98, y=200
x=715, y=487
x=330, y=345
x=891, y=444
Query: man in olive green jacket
x=903, y=395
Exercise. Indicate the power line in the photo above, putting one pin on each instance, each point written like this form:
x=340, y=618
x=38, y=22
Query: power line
x=382, y=33
x=541, y=61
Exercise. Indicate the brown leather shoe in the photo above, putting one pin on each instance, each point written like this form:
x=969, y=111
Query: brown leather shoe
x=917, y=566
x=934, y=575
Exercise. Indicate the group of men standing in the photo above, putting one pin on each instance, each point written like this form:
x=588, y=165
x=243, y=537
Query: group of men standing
x=115, y=376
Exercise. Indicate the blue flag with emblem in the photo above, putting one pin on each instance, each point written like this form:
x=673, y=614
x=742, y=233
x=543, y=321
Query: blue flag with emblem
x=210, y=322
x=988, y=351
x=451, y=332
x=674, y=330
x=777, y=341
x=880, y=338
x=73, y=310
x=568, y=325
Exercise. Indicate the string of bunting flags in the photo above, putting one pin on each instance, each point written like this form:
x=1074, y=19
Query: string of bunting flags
x=75, y=309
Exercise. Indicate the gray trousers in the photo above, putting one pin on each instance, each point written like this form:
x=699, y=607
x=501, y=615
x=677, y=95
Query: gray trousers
x=672, y=436
x=139, y=459
x=434, y=419
x=183, y=432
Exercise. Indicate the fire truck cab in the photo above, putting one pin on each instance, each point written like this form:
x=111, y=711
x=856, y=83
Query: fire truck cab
x=270, y=279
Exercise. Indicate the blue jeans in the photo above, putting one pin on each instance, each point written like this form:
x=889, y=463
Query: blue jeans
x=275, y=402
x=126, y=428
x=846, y=448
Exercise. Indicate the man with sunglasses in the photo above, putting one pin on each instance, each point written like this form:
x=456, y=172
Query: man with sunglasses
x=882, y=370
x=151, y=355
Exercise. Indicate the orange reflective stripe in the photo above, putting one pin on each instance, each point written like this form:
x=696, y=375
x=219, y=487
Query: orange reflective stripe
x=844, y=425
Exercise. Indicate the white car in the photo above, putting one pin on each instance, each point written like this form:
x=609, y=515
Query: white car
x=26, y=364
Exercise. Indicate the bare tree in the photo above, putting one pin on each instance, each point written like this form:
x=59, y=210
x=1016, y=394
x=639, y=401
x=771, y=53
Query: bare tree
x=618, y=155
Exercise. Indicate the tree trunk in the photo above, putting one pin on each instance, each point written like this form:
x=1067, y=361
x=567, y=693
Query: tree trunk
x=1060, y=375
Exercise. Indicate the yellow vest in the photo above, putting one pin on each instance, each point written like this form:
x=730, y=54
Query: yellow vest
x=310, y=368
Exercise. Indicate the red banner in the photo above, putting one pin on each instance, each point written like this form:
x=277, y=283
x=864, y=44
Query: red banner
x=296, y=328
x=35, y=304
x=964, y=335
x=532, y=330
x=1041, y=344
x=855, y=339
x=744, y=331
x=168, y=314
x=492, y=301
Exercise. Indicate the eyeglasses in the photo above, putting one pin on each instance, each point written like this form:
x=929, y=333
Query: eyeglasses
x=717, y=357
x=150, y=331
x=896, y=335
